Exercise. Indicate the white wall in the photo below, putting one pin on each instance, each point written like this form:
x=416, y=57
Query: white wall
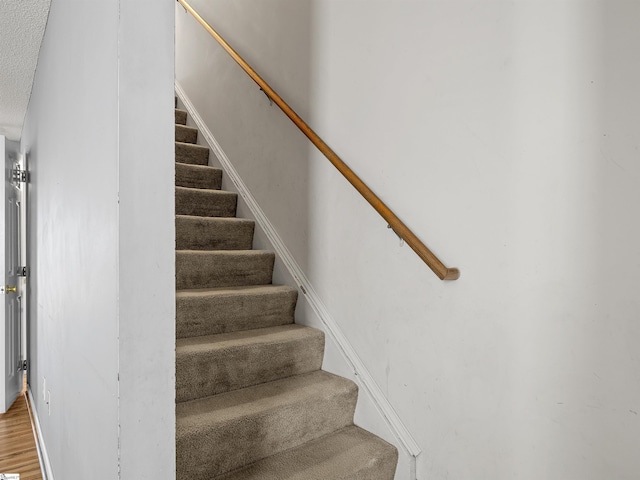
x=146, y=248
x=101, y=239
x=504, y=134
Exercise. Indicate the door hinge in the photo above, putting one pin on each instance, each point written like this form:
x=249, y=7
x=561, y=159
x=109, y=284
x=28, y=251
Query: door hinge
x=24, y=365
x=22, y=271
x=19, y=176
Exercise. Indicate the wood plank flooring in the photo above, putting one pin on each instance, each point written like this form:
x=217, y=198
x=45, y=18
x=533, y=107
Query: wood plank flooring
x=18, y=452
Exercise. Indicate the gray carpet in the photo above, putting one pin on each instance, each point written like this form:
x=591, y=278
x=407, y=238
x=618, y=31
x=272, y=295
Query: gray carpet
x=252, y=400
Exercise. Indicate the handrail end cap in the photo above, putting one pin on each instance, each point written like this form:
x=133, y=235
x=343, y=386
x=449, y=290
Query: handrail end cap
x=452, y=274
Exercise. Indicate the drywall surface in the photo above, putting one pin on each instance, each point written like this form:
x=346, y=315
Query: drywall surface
x=70, y=137
x=146, y=287
x=504, y=134
x=85, y=333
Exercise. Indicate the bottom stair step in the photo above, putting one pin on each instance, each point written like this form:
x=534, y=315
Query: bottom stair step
x=222, y=433
x=348, y=454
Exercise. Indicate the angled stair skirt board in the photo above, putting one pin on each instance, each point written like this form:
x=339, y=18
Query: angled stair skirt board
x=250, y=377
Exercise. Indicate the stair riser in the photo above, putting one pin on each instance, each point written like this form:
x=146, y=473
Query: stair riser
x=213, y=234
x=216, y=371
x=193, y=154
x=213, y=314
x=197, y=176
x=205, y=203
x=225, y=446
x=181, y=117
x=186, y=134
x=216, y=269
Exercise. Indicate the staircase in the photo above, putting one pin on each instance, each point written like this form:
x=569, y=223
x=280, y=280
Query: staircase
x=252, y=402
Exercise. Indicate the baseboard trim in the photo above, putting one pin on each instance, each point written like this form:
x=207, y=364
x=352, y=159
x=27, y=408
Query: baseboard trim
x=45, y=465
x=366, y=381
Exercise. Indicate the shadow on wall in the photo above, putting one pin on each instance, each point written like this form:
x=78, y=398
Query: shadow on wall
x=578, y=191
x=612, y=354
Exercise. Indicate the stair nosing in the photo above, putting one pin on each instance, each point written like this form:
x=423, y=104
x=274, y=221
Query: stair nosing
x=237, y=290
x=188, y=127
x=250, y=252
x=195, y=189
x=197, y=166
x=203, y=147
x=264, y=335
x=214, y=219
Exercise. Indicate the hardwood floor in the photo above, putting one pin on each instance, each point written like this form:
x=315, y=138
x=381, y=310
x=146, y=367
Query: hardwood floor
x=18, y=452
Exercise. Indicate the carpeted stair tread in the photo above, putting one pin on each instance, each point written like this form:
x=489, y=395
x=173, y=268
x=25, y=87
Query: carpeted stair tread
x=192, y=153
x=213, y=364
x=223, y=268
x=181, y=117
x=198, y=176
x=213, y=233
x=205, y=202
x=252, y=402
x=186, y=134
x=221, y=433
x=348, y=454
x=231, y=309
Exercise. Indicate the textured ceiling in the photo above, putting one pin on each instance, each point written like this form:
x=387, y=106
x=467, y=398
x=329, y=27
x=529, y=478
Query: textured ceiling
x=22, y=24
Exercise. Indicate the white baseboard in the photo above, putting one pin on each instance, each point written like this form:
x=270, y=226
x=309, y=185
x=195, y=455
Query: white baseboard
x=365, y=380
x=45, y=465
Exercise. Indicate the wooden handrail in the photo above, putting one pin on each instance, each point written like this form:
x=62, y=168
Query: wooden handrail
x=394, y=222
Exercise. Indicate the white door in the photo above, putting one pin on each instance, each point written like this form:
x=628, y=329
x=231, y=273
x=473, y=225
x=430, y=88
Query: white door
x=10, y=334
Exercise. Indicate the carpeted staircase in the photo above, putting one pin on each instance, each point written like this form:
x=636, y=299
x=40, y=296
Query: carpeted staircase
x=252, y=402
